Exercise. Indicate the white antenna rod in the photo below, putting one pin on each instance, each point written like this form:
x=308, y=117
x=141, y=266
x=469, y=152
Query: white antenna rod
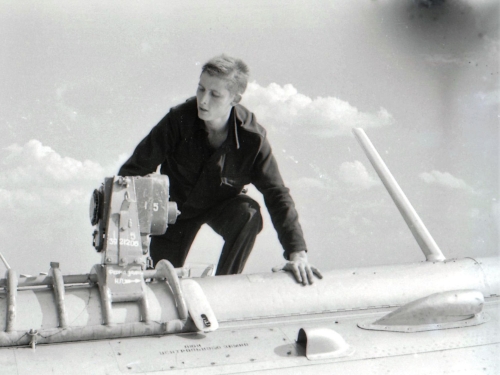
x=4, y=261
x=417, y=227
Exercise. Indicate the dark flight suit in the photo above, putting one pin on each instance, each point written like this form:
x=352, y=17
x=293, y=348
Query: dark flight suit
x=207, y=185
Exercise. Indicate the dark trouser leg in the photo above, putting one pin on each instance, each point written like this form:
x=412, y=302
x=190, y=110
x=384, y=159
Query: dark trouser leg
x=175, y=243
x=238, y=221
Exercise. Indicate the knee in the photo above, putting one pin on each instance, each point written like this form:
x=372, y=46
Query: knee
x=249, y=209
x=247, y=204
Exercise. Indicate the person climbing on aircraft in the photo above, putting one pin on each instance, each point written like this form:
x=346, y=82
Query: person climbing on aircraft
x=210, y=147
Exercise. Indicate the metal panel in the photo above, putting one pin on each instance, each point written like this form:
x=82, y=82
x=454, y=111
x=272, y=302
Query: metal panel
x=94, y=358
x=196, y=351
x=8, y=363
x=481, y=360
x=270, y=345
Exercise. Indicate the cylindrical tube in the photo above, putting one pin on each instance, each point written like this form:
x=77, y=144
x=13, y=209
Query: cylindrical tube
x=11, y=299
x=425, y=241
x=272, y=295
x=58, y=285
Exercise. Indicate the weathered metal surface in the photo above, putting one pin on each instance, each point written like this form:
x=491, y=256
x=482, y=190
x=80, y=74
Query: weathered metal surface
x=199, y=351
x=347, y=289
x=271, y=295
x=491, y=270
x=269, y=346
x=36, y=310
x=126, y=209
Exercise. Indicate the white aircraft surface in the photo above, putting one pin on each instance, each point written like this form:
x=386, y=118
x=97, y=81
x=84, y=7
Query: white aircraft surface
x=439, y=316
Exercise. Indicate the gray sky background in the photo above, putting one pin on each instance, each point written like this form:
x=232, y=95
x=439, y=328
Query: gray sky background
x=84, y=81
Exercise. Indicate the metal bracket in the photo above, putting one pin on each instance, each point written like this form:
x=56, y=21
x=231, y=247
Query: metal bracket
x=121, y=284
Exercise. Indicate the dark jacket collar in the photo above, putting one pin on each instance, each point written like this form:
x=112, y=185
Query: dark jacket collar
x=239, y=119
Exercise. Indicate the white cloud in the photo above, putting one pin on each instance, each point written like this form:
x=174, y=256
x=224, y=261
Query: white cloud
x=445, y=179
x=38, y=182
x=37, y=165
x=35, y=179
x=283, y=107
x=356, y=175
x=44, y=200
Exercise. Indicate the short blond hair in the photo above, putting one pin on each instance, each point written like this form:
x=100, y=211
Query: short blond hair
x=234, y=70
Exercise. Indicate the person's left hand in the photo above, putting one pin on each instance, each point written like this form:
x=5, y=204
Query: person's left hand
x=299, y=266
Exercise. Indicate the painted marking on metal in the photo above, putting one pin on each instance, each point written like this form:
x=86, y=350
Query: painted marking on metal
x=190, y=351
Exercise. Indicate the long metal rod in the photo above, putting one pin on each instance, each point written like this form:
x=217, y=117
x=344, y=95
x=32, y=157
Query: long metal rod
x=11, y=279
x=101, y=332
x=58, y=285
x=106, y=297
x=4, y=261
x=417, y=227
x=164, y=269
x=42, y=280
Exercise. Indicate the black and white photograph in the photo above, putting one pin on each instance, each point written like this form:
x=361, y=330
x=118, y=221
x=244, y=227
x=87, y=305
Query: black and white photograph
x=258, y=187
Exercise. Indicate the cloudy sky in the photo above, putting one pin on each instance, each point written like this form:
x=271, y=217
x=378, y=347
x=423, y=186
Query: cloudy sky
x=84, y=81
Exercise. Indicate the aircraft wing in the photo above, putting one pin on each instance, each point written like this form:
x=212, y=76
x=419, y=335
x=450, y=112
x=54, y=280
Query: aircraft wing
x=269, y=345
